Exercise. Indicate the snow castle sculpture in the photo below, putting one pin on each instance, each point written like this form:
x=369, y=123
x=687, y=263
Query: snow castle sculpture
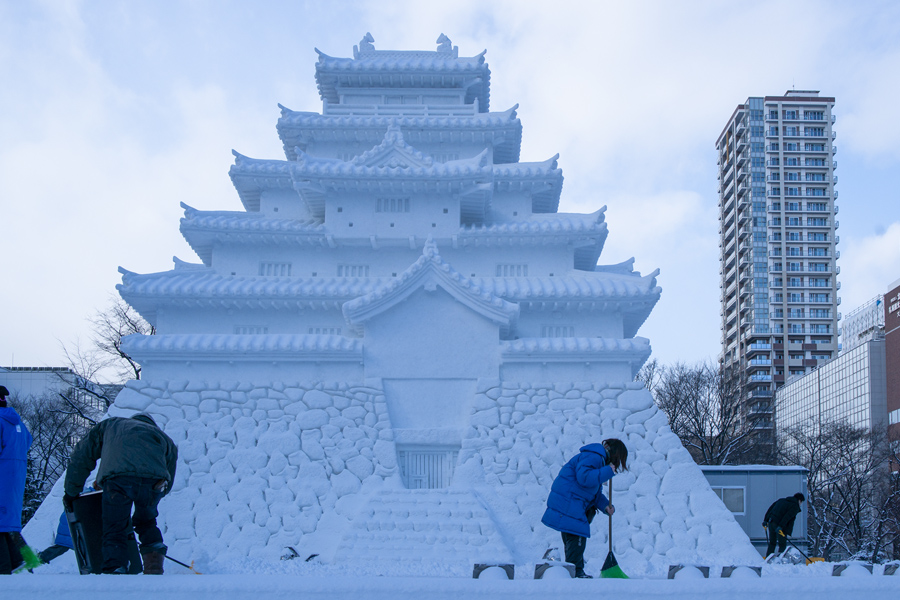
x=395, y=347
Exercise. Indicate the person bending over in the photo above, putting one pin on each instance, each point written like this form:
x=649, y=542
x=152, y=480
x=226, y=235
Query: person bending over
x=779, y=521
x=137, y=467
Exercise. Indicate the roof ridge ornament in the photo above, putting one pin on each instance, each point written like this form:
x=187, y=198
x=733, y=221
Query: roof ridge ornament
x=365, y=46
x=445, y=46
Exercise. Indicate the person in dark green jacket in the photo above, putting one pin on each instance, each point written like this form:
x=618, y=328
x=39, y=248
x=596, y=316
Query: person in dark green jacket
x=137, y=467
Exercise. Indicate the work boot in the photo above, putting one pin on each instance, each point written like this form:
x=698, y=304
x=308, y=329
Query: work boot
x=153, y=562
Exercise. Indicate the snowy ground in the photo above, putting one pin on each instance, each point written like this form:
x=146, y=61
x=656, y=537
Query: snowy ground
x=435, y=581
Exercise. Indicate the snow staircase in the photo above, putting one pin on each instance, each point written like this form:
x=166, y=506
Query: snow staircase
x=423, y=525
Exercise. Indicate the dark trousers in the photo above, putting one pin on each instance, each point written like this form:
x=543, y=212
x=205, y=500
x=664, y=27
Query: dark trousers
x=54, y=551
x=574, y=546
x=772, y=536
x=10, y=557
x=119, y=494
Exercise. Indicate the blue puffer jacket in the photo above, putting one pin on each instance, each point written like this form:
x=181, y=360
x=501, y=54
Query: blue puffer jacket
x=15, y=440
x=576, y=489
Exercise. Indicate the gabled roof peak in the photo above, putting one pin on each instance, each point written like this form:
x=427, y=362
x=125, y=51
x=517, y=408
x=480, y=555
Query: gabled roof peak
x=430, y=272
x=393, y=151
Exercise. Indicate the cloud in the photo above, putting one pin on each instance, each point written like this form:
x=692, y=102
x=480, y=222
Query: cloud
x=116, y=112
x=869, y=264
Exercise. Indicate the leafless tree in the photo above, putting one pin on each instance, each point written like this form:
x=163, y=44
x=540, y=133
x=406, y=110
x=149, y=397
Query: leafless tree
x=651, y=374
x=110, y=326
x=852, y=494
x=702, y=404
x=59, y=419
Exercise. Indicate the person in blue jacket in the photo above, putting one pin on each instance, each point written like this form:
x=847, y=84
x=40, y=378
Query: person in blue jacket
x=63, y=542
x=15, y=440
x=576, y=495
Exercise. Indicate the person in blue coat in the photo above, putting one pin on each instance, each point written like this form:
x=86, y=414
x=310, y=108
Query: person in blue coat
x=15, y=440
x=576, y=495
x=63, y=542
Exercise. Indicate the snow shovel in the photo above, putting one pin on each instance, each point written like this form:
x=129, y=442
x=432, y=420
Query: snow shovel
x=809, y=560
x=611, y=568
x=190, y=566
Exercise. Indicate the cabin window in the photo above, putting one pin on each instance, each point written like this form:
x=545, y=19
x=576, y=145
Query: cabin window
x=732, y=497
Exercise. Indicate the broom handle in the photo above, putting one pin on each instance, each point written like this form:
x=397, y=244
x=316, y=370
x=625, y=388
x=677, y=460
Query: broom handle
x=610, y=516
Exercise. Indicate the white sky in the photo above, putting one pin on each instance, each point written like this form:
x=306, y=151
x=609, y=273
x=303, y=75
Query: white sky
x=114, y=112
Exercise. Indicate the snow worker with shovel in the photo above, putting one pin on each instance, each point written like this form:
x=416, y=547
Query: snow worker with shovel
x=576, y=495
x=779, y=521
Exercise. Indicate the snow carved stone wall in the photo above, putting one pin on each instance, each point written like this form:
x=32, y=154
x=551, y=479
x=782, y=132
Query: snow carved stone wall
x=666, y=513
x=259, y=464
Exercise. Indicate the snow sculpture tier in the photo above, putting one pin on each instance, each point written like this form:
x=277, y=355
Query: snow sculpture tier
x=399, y=342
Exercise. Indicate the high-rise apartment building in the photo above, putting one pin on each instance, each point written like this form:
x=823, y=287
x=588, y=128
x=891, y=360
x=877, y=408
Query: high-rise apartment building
x=777, y=209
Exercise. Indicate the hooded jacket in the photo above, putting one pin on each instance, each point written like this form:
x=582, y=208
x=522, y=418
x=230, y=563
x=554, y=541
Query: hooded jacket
x=782, y=514
x=15, y=440
x=135, y=447
x=576, y=489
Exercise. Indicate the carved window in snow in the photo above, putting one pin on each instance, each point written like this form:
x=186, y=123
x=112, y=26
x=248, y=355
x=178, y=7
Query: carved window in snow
x=443, y=157
x=512, y=270
x=273, y=269
x=424, y=467
x=325, y=330
x=250, y=330
x=353, y=271
x=392, y=205
x=557, y=331
x=732, y=497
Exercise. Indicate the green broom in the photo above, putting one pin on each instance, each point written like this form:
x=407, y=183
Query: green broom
x=611, y=568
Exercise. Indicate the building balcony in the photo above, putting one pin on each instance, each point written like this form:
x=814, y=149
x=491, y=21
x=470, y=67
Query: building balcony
x=760, y=376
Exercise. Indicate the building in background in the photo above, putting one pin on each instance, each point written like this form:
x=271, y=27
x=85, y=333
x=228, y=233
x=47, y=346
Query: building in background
x=892, y=357
x=863, y=324
x=851, y=387
x=778, y=246
x=31, y=383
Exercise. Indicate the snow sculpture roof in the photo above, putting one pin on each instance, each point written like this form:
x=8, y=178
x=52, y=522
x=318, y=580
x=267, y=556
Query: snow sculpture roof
x=395, y=163
x=203, y=229
x=502, y=130
x=218, y=347
x=586, y=232
x=635, y=350
x=252, y=176
x=378, y=68
x=632, y=294
x=430, y=272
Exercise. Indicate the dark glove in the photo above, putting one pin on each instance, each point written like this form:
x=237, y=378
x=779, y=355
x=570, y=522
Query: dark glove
x=765, y=525
x=68, y=502
x=590, y=514
x=779, y=531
